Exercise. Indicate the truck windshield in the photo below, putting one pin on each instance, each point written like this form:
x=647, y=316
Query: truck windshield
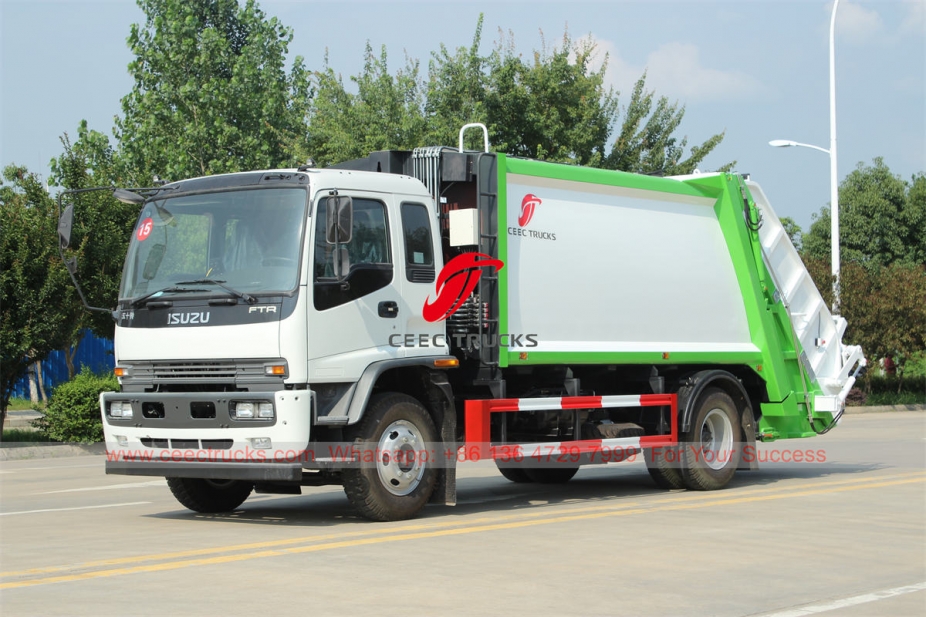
x=247, y=240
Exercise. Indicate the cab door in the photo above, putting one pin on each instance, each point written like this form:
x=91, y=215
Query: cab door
x=352, y=317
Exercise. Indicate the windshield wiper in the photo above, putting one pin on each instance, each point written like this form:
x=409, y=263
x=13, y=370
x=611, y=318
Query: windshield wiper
x=238, y=294
x=143, y=299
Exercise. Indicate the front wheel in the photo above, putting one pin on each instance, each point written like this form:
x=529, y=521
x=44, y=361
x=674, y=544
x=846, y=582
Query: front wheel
x=709, y=448
x=395, y=476
x=209, y=496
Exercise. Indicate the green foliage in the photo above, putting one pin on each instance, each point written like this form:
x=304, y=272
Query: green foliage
x=385, y=113
x=73, y=413
x=882, y=219
x=647, y=143
x=793, y=230
x=102, y=226
x=24, y=435
x=893, y=390
x=456, y=92
x=553, y=107
x=211, y=91
x=37, y=295
x=883, y=305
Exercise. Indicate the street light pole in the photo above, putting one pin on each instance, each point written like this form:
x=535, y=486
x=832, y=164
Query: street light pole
x=834, y=180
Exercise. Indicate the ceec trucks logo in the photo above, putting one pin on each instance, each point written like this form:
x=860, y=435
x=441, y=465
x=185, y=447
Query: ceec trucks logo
x=456, y=281
x=528, y=205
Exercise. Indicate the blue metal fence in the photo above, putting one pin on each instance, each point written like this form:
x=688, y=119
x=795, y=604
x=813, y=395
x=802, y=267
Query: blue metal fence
x=93, y=352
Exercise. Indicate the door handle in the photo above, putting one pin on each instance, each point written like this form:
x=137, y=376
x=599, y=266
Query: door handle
x=388, y=309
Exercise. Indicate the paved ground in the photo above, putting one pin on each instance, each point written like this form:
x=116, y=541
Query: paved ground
x=845, y=537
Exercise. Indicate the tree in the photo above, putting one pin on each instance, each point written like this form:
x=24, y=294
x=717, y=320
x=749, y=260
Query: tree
x=882, y=219
x=647, y=143
x=211, y=92
x=37, y=296
x=101, y=231
x=793, y=230
x=555, y=108
x=385, y=113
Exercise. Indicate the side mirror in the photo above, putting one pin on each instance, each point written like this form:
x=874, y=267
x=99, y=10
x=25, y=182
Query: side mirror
x=65, y=223
x=128, y=197
x=340, y=220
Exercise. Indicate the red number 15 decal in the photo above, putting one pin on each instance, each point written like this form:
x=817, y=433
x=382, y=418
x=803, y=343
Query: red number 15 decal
x=144, y=230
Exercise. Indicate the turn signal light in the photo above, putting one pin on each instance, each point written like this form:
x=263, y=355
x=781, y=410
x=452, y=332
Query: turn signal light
x=451, y=363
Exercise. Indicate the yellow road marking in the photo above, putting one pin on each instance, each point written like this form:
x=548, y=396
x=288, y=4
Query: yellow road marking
x=623, y=510
x=430, y=525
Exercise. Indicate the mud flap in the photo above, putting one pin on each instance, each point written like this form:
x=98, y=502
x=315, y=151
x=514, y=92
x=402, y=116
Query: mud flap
x=445, y=491
x=747, y=421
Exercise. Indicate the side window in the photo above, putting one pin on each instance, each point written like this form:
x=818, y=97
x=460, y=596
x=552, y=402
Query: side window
x=368, y=254
x=419, y=247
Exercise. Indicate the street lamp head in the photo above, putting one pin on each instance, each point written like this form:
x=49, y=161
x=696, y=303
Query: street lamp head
x=782, y=143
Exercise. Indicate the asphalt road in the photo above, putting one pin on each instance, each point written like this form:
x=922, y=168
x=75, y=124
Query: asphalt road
x=842, y=537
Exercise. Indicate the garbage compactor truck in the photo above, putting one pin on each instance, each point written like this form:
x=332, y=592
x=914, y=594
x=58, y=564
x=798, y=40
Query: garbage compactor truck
x=374, y=323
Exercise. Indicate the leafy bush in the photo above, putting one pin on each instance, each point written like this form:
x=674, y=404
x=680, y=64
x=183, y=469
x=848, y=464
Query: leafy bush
x=892, y=390
x=73, y=412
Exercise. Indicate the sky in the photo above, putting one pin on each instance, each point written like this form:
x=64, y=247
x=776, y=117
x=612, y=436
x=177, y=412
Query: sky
x=758, y=70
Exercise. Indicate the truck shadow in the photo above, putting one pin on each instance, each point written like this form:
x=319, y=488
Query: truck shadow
x=489, y=493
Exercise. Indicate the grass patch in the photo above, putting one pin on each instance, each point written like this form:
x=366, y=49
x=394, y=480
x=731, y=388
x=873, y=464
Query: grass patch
x=21, y=435
x=23, y=404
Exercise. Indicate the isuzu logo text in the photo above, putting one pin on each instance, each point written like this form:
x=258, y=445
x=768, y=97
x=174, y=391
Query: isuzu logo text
x=456, y=281
x=187, y=319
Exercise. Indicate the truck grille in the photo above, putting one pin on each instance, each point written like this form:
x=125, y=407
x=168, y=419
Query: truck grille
x=233, y=372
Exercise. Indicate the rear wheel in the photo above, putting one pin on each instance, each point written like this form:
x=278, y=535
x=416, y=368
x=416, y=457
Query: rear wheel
x=209, y=496
x=551, y=475
x=514, y=472
x=710, y=453
x=664, y=467
x=395, y=477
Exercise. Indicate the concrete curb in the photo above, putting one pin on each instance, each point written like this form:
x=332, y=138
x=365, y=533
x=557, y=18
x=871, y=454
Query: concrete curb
x=16, y=451
x=885, y=408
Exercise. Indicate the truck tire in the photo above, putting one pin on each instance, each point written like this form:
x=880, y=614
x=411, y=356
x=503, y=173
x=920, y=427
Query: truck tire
x=710, y=453
x=664, y=468
x=209, y=496
x=392, y=488
x=551, y=475
x=514, y=472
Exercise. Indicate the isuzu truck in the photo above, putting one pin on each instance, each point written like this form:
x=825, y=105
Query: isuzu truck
x=374, y=323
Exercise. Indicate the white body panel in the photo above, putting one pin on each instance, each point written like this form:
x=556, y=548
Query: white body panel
x=629, y=270
x=260, y=340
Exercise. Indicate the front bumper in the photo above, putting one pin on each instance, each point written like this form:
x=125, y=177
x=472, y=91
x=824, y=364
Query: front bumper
x=254, y=472
x=182, y=445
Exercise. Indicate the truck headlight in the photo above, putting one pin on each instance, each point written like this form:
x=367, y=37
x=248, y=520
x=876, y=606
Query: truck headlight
x=120, y=409
x=249, y=410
